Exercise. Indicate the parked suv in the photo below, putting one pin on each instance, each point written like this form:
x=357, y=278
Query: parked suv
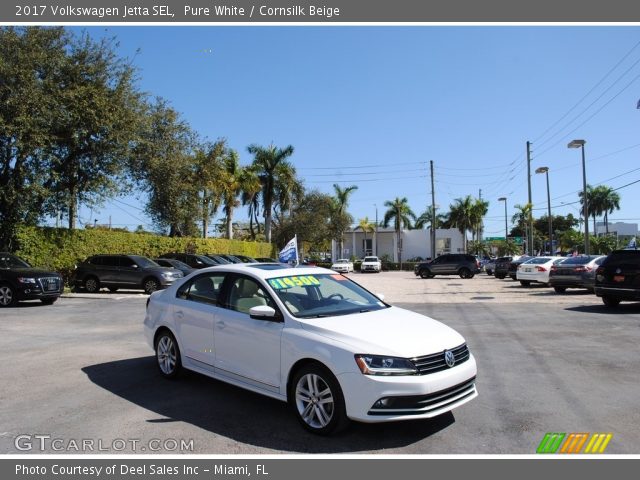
x=123, y=271
x=192, y=259
x=501, y=269
x=20, y=281
x=618, y=278
x=449, y=264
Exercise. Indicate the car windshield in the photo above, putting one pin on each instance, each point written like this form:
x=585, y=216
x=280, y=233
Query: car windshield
x=323, y=295
x=342, y=261
x=370, y=259
x=538, y=260
x=144, y=262
x=11, y=261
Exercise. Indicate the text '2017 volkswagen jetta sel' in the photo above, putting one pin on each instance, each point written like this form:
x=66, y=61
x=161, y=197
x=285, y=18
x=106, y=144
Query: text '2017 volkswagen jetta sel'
x=312, y=338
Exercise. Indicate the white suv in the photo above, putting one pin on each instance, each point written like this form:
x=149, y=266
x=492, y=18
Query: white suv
x=371, y=264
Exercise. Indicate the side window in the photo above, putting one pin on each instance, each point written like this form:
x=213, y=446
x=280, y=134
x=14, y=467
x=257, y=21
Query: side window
x=97, y=261
x=110, y=261
x=202, y=289
x=246, y=293
x=126, y=262
x=601, y=259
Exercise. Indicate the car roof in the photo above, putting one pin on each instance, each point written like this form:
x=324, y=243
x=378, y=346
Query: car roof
x=268, y=270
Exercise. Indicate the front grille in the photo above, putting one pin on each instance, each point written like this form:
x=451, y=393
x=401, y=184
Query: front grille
x=420, y=404
x=436, y=362
x=50, y=284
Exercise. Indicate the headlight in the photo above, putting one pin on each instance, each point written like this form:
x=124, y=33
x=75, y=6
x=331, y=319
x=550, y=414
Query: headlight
x=168, y=275
x=27, y=280
x=381, y=365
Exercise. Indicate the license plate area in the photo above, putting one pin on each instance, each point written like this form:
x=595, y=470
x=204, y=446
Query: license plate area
x=618, y=278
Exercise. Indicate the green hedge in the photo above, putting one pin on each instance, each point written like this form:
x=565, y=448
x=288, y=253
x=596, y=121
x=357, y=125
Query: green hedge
x=61, y=249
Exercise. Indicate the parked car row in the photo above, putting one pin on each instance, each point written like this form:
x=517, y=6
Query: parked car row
x=614, y=277
x=368, y=264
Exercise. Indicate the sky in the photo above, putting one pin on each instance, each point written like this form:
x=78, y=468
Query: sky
x=372, y=105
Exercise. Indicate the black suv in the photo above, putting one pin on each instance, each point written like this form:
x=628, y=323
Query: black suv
x=192, y=259
x=501, y=269
x=123, y=271
x=19, y=281
x=618, y=278
x=449, y=264
x=513, y=266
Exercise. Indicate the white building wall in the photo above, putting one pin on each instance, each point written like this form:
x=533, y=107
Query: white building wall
x=621, y=228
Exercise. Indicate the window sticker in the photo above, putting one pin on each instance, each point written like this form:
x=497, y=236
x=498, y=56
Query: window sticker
x=293, y=281
x=340, y=278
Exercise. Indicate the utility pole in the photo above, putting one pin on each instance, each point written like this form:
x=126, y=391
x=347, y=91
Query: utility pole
x=480, y=224
x=530, y=220
x=433, y=215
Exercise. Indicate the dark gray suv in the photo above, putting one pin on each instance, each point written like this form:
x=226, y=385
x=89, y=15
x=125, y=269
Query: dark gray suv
x=123, y=271
x=449, y=264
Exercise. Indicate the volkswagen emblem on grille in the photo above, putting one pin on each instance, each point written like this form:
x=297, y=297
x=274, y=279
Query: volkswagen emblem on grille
x=618, y=270
x=449, y=358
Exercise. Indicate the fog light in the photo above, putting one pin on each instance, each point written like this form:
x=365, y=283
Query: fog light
x=383, y=403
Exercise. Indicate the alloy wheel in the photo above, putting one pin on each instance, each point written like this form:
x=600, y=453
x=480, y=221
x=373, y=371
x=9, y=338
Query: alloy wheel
x=167, y=355
x=6, y=296
x=314, y=401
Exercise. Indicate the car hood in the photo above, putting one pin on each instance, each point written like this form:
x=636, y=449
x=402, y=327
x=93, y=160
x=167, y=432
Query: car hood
x=34, y=272
x=390, y=331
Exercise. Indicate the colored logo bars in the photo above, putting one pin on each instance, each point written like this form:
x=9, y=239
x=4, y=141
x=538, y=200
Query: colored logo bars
x=573, y=443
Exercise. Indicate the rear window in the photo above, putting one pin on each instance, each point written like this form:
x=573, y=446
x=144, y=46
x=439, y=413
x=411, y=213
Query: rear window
x=623, y=257
x=578, y=260
x=538, y=260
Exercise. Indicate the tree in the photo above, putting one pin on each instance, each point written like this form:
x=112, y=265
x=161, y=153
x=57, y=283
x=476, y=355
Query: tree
x=165, y=168
x=478, y=210
x=341, y=202
x=610, y=202
x=95, y=125
x=367, y=227
x=595, y=203
x=426, y=218
x=401, y=214
x=507, y=247
x=463, y=216
x=270, y=164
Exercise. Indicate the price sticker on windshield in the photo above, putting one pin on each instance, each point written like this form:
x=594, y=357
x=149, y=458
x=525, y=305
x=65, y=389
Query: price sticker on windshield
x=294, y=281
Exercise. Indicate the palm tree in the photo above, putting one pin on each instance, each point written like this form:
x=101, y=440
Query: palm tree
x=366, y=226
x=463, y=216
x=401, y=214
x=610, y=202
x=341, y=201
x=271, y=166
x=479, y=210
x=426, y=218
x=594, y=203
x=234, y=180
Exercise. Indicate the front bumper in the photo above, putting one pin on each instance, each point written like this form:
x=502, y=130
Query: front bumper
x=42, y=289
x=373, y=399
x=370, y=268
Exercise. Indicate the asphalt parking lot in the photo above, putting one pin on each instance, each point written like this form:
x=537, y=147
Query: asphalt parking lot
x=80, y=370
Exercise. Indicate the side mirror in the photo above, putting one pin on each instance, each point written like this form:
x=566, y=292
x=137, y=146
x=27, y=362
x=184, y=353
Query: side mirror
x=135, y=265
x=380, y=296
x=262, y=312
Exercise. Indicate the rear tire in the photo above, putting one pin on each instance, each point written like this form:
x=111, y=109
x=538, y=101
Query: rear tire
x=465, y=273
x=49, y=301
x=500, y=277
x=168, y=355
x=113, y=289
x=525, y=283
x=91, y=285
x=611, y=302
x=425, y=274
x=560, y=289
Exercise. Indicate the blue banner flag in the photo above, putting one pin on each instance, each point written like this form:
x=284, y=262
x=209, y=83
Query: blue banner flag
x=632, y=244
x=289, y=254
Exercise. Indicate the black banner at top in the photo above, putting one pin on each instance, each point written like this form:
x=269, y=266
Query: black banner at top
x=320, y=11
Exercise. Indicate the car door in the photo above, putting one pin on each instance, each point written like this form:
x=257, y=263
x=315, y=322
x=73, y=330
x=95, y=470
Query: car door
x=129, y=272
x=439, y=265
x=195, y=310
x=107, y=271
x=248, y=350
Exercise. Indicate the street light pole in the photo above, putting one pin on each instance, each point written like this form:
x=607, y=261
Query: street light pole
x=506, y=229
x=585, y=202
x=545, y=170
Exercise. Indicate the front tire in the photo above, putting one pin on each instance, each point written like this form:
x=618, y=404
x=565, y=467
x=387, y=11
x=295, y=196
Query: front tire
x=49, y=301
x=150, y=285
x=425, y=274
x=317, y=400
x=560, y=289
x=7, y=296
x=465, y=273
x=525, y=283
x=168, y=355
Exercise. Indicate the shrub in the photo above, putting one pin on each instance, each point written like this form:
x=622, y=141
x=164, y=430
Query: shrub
x=61, y=249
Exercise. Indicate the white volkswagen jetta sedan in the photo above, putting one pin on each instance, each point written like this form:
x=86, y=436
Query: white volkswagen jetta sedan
x=312, y=338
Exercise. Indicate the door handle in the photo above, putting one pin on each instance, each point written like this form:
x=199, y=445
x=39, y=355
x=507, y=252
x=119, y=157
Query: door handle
x=221, y=325
x=179, y=314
